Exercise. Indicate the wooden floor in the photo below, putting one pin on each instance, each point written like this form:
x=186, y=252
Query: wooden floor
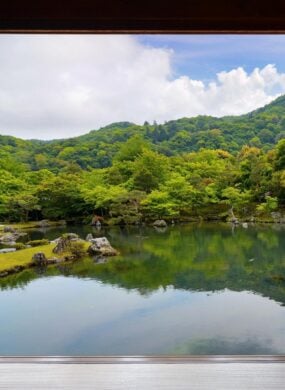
x=124, y=376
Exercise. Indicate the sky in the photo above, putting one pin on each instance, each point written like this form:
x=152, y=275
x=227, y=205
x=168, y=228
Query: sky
x=59, y=86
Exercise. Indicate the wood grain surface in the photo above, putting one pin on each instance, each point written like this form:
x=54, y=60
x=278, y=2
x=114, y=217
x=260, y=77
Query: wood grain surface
x=199, y=376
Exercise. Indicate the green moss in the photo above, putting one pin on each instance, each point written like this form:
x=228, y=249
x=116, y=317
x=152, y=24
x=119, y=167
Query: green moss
x=23, y=257
x=29, y=225
x=38, y=242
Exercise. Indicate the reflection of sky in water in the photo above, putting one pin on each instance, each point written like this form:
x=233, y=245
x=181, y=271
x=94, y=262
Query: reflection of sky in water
x=87, y=317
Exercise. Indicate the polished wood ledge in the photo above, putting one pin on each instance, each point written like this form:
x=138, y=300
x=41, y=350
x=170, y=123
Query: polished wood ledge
x=141, y=372
x=162, y=359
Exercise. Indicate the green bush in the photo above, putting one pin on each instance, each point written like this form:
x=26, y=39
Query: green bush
x=77, y=248
x=19, y=245
x=38, y=242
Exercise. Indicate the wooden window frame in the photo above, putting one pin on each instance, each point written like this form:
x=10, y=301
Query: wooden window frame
x=120, y=17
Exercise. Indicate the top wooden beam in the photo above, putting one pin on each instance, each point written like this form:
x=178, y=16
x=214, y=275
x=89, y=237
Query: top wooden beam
x=148, y=16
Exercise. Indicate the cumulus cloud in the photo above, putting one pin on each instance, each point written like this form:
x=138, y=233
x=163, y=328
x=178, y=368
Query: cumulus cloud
x=62, y=86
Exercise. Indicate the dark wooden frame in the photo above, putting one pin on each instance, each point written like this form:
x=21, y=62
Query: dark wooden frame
x=148, y=16
x=152, y=16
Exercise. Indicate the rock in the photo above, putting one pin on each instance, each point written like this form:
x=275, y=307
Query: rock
x=8, y=237
x=7, y=250
x=9, y=229
x=160, y=223
x=43, y=223
x=39, y=258
x=56, y=240
x=245, y=225
x=101, y=246
x=60, y=246
x=89, y=237
x=63, y=242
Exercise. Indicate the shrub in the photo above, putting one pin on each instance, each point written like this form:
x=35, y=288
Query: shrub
x=19, y=245
x=77, y=248
x=38, y=242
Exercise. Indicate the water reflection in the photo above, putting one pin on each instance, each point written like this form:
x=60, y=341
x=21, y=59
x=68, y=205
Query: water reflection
x=190, y=289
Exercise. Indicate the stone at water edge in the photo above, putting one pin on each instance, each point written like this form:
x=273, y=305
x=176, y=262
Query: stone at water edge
x=43, y=223
x=160, y=223
x=245, y=225
x=39, y=258
x=63, y=242
x=7, y=250
x=101, y=246
x=89, y=237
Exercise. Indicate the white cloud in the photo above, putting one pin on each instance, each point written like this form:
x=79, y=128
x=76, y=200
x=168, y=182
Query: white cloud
x=61, y=86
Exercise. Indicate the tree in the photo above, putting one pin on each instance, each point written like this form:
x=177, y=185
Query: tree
x=21, y=205
x=132, y=149
x=237, y=199
x=150, y=170
x=158, y=204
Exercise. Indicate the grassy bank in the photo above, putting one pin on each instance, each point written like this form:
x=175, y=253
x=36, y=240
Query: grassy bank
x=16, y=261
x=28, y=225
x=23, y=257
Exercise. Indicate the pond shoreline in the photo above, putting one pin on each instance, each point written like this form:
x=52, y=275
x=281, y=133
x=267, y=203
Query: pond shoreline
x=22, y=259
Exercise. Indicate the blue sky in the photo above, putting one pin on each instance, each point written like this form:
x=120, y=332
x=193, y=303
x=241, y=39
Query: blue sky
x=202, y=56
x=55, y=86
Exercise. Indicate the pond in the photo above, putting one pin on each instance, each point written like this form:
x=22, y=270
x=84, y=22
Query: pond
x=189, y=289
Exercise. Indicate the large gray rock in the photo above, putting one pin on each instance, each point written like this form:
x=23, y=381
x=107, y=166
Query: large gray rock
x=101, y=246
x=11, y=238
x=8, y=237
x=160, y=223
x=43, y=223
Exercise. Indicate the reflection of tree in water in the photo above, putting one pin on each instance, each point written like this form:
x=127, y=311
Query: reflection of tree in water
x=224, y=346
x=205, y=258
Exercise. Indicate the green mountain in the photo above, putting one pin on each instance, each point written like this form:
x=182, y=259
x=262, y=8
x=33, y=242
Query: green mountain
x=262, y=128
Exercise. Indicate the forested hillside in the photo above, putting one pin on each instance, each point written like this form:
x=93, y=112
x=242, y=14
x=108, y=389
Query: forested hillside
x=127, y=173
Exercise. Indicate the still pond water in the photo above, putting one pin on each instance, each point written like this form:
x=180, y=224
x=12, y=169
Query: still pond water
x=192, y=289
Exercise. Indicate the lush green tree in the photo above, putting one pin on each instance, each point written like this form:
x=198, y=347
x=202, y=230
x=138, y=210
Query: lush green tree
x=237, y=199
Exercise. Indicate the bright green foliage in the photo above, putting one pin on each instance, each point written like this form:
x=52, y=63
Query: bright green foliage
x=158, y=204
x=133, y=148
x=270, y=204
x=127, y=173
x=150, y=169
x=237, y=199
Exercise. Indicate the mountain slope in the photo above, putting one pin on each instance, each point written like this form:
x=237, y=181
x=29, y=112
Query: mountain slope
x=261, y=128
